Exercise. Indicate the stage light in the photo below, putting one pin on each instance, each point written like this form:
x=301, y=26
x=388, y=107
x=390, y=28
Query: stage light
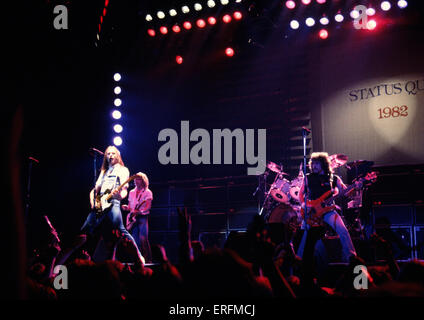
x=151, y=32
x=306, y=2
x=185, y=9
x=402, y=4
x=117, y=141
x=294, y=24
x=324, y=21
x=197, y=6
x=149, y=17
x=118, y=128
x=224, y=2
x=176, y=28
x=117, y=102
x=211, y=20
x=172, y=12
x=290, y=4
x=187, y=25
x=371, y=24
x=310, y=22
x=163, y=30
x=323, y=34
x=160, y=14
x=201, y=23
x=226, y=18
x=229, y=52
x=211, y=3
x=339, y=17
x=321, y=1
x=117, y=90
x=116, y=77
x=370, y=11
x=116, y=114
x=354, y=14
x=385, y=5
x=237, y=15
x=179, y=59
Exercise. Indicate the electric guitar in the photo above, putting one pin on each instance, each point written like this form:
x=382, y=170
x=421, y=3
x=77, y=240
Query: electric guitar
x=318, y=207
x=131, y=218
x=103, y=201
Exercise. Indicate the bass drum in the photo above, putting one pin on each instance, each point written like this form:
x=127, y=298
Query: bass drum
x=283, y=223
x=285, y=214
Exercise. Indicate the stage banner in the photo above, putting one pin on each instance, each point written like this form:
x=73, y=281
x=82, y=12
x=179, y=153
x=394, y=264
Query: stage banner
x=372, y=101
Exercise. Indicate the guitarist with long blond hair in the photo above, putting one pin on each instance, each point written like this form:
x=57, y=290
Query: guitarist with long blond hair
x=105, y=219
x=321, y=184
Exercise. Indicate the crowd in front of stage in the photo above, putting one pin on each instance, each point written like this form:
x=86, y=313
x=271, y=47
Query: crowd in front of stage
x=250, y=265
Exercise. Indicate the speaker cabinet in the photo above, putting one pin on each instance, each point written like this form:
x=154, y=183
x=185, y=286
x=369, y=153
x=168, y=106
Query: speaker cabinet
x=401, y=240
x=213, y=239
x=386, y=215
x=419, y=242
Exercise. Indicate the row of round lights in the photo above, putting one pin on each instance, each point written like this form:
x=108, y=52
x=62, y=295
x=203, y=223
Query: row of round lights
x=201, y=23
x=116, y=113
x=186, y=9
x=290, y=4
x=354, y=14
x=385, y=5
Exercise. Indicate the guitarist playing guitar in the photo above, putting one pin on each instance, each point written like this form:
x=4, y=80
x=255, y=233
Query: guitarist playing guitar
x=320, y=185
x=106, y=218
x=139, y=204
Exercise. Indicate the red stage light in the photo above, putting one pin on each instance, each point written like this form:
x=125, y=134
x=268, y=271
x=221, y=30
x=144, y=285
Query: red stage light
x=290, y=4
x=211, y=20
x=187, y=25
x=176, y=28
x=323, y=34
x=179, y=59
x=201, y=23
x=163, y=30
x=306, y=2
x=229, y=52
x=151, y=32
x=237, y=15
x=226, y=18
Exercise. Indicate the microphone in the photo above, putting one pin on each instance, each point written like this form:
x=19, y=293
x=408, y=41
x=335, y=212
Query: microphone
x=94, y=150
x=33, y=159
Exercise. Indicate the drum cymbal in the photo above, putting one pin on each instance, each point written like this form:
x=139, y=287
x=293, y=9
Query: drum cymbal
x=338, y=160
x=358, y=163
x=273, y=167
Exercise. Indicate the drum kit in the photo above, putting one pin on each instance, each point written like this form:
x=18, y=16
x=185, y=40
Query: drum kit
x=282, y=203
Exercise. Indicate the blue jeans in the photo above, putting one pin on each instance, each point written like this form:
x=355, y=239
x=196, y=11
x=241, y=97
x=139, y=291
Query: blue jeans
x=104, y=224
x=334, y=220
x=140, y=233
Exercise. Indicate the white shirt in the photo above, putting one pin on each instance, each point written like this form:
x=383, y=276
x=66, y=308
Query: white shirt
x=113, y=177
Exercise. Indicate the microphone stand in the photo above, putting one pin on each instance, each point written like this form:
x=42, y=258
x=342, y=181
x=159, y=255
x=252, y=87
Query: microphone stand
x=94, y=153
x=28, y=193
x=305, y=188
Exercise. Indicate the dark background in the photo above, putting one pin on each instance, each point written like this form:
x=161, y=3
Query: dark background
x=62, y=80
